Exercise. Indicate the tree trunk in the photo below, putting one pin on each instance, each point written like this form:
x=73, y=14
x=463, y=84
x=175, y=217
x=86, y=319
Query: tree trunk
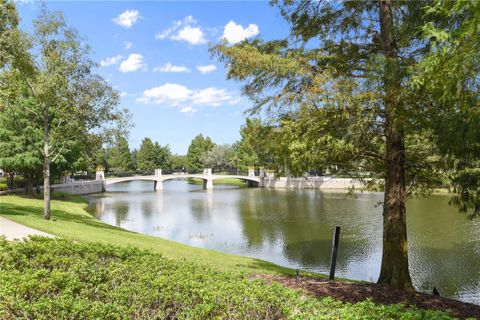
x=46, y=168
x=46, y=188
x=37, y=182
x=11, y=178
x=394, y=269
x=29, y=185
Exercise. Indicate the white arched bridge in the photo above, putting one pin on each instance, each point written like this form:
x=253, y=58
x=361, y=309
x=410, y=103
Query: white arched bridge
x=158, y=178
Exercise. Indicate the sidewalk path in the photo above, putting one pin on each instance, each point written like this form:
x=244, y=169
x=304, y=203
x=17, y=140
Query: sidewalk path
x=12, y=230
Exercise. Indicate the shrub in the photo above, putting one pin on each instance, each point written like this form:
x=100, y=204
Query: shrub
x=58, y=279
x=3, y=186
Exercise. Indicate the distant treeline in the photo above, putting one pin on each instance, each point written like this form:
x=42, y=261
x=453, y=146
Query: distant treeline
x=261, y=145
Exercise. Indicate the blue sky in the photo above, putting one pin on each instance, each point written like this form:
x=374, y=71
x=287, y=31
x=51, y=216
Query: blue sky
x=156, y=55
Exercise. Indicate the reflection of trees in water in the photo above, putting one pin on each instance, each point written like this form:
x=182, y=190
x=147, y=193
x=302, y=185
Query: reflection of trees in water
x=97, y=207
x=443, y=248
x=121, y=209
x=454, y=271
x=444, y=245
x=147, y=208
x=202, y=206
x=147, y=220
x=303, y=222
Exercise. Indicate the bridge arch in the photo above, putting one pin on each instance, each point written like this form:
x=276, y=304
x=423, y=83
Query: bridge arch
x=208, y=179
x=252, y=181
x=111, y=181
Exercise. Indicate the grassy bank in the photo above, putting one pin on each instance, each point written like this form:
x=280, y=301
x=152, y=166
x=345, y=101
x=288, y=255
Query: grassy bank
x=71, y=221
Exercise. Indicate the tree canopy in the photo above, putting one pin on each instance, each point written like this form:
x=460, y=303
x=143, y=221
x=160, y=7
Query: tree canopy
x=119, y=156
x=197, y=147
x=352, y=86
x=152, y=156
x=48, y=79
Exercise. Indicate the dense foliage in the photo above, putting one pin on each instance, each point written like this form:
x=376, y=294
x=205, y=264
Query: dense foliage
x=178, y=162
x=119, y=158
x=53, y=105
x=366, y=86
x=450, y=74
x=197, y=148
x=152, y=156
x=59, y=279
x=219, y=158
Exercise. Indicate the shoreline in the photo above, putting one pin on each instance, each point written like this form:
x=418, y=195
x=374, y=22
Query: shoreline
x=212, y=258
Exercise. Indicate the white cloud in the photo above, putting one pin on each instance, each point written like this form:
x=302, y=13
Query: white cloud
x=184, y=30
x=206, y=69
x=111, y=60
x=180, y=96
x=175, y=26
x=123, y=94
x=234, y=33
x=169, y=92
x=168, y=67
x=193, y=35
x=188, y=110
x=21, y=2
x=127, y=44
x=132, y=63
x=213, y=97
x=127, y=18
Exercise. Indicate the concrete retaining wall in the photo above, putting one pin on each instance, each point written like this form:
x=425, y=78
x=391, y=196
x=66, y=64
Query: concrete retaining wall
x=80, y=187
x=88, y=187
x=311, y=183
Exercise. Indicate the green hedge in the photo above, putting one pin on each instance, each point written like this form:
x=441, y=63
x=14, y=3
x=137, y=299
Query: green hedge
x=18, y=182
x=59, y=279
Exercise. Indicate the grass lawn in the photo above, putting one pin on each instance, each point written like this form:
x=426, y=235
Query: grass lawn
x=71, y=221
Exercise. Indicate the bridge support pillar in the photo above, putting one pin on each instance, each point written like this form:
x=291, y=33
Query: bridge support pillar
x=158, y=185
x=208, y=184
x=100, y=175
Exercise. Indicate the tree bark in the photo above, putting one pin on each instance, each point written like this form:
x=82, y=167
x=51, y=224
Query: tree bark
x=46, y=188
x=46, y=167
x=29, y=185
x=11, y=178
x=394, y=270
x=37, y=182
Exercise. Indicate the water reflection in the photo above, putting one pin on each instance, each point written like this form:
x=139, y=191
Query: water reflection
x=294, y=229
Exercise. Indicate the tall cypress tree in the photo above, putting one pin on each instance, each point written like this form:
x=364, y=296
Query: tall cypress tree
x=345, y=75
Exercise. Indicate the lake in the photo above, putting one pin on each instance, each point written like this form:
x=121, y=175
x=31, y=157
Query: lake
x=293, y=228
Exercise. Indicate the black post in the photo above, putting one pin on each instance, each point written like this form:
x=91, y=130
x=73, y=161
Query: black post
x=336, y=238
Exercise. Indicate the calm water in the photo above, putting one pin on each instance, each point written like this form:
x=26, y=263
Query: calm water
x=293, y=228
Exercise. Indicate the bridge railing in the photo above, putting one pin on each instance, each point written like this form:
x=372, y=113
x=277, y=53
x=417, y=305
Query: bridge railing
x=129, y=174
x=84, y=177
x=206, y=171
